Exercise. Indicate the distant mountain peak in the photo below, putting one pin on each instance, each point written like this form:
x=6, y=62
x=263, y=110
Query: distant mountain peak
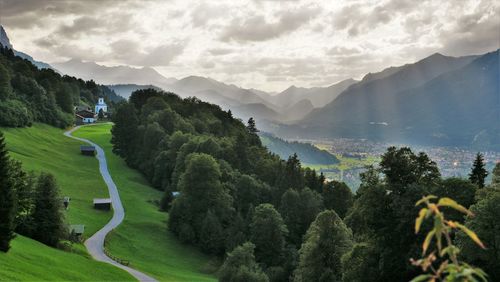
x=437, y=54
x=4, y=39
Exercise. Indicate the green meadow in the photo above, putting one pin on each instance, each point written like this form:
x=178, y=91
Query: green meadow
x=143, y=237
x=29, y=260
x=45, y=148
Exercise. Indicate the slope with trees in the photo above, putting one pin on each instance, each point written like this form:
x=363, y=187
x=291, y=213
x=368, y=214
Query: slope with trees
x=42, y=148
x=223, y=189
x=307, y=153
x=29, y=94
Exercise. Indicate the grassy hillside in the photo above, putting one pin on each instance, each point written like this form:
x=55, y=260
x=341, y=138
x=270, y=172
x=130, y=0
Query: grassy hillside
x=44, y=148
x=29, y=260
x=143, y=237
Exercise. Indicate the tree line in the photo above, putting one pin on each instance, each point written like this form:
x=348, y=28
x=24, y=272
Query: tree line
x=273, y=220
x=29, y=95
x=29, y=204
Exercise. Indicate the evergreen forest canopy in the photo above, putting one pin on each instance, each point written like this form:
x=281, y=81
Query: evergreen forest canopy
x=273, y=220
x=306, y=152
x=28, y=94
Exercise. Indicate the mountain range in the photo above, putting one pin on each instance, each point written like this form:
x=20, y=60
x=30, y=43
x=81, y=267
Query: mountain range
x=439, y=100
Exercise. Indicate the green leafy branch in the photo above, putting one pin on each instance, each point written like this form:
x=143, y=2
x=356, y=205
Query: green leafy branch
x=450, y=268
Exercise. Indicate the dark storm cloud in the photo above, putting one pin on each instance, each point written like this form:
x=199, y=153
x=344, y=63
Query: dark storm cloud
x=257, y=28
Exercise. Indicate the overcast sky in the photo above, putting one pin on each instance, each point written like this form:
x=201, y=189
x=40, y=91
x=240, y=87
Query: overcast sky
x=264, y=44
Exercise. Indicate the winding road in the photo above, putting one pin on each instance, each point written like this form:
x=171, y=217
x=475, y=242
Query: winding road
x=95, y=244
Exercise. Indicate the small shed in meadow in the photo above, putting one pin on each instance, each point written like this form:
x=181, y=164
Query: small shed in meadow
x=88, y=150
x=77, y=229
x=102, y=204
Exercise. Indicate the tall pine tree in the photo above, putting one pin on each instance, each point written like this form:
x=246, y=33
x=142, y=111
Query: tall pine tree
x=478, y=173
x=47, y=216
x=251, y=126
x=7, y=199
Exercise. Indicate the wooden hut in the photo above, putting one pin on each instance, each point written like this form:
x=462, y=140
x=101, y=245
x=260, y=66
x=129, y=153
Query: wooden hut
x=88, y=150
x=102, y=204
x=77, y=229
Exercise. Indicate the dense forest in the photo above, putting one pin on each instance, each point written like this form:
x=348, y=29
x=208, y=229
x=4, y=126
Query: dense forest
x=28, y=94
x=306, y=152
x=272, y=220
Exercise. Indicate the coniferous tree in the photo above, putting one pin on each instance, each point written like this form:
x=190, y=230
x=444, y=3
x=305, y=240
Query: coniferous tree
x=268, y=232
x=326, y=241
x=124, y=132
x=495, y=180
x=47, y=215
x=293, y=175
x=201, y=191
x=240, y=266
x=251, y=126
x=5, y=87
x=338, y=197
x=478, y=173
x=487, y=227
x=100, y=115
x=7, y=198
x=237, y=233
x=212, y=235
x=24, y=184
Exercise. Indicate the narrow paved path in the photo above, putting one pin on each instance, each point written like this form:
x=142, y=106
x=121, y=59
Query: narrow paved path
x=95, y=244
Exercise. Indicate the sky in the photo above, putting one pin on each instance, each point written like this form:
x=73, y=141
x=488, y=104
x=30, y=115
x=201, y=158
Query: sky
x=263, y=44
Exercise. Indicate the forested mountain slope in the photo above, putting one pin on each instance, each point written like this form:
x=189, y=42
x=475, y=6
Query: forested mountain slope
x=307, y=153
x=28, y=94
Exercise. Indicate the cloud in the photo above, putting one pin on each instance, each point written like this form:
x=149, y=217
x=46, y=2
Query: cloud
x=204, y=13
x=266, y=44
x=37, y=11
x=474, y=32
x=258, y=28
x=161, y=55
x=220, y=51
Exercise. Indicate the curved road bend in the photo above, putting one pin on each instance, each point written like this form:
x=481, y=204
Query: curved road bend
x=95, y=244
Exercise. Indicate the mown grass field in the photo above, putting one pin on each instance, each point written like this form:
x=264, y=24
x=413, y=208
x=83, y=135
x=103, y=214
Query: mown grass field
x=44, y=148
x=29, y=260
x=143, y=237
